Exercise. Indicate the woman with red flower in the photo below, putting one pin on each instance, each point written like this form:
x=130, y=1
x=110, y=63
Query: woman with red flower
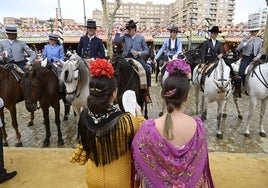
x=105, y=133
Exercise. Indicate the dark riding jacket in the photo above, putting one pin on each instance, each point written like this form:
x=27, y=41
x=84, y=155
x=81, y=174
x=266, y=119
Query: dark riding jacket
x=90, y=47
x=209, y=52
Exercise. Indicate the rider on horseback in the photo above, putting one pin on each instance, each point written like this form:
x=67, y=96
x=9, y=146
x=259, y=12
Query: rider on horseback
x=252, y=52
x=12, y=50
x=54, y=53
x=135, y=47
x=172, y=45
x=211, y=51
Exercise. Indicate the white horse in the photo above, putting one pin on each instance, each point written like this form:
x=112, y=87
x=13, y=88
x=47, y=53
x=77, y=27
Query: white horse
x=256, y=87
x=217, y=88
x=75, y=76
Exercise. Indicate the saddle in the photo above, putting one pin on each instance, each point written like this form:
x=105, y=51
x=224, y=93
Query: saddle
x=206, y=72
x=138, y=68
x=14, y=69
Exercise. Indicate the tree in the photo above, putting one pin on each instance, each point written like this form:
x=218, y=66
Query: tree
x=108, y=23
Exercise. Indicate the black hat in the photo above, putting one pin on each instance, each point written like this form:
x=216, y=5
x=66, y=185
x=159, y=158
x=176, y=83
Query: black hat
x=173, y=28
x=91, y=24
x=131, y=24
x=53, y=36
x=11, y=29
x=214, y=29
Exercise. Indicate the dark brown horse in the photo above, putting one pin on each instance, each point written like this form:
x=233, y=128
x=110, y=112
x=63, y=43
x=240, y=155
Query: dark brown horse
x=11, y=93
x=41, y=85
x=128, y=79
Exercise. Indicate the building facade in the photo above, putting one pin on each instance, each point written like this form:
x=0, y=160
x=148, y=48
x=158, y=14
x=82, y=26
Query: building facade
x=258, y=18
x=183, y=13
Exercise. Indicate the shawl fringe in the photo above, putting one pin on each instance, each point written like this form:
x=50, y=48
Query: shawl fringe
x=106, y=141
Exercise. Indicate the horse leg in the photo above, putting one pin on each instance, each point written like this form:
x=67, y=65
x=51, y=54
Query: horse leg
x=253, y=103
x=196, y=99
x=221, y=106
x=47, y=125
x=145, y=110
x=3, y=129
x=67, y=107
x=240, y=116
x=263, y=107
x=57, y=122
x=30, y=123
x=204, y=108
x=13, y=113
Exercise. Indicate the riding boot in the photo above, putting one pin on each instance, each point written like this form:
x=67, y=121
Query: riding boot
x=147, y=96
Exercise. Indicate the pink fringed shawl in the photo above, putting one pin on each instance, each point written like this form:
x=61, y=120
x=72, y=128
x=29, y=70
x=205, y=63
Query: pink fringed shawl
x=160, y=164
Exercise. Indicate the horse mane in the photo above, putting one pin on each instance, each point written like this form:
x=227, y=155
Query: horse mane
x=70, y=67
x=120, y=63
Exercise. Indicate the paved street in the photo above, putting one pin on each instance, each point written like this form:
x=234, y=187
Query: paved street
x=232, y=127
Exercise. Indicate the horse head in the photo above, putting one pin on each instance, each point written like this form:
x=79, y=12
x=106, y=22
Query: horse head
x=30, y=85
x=221, y=77
x=74, y=75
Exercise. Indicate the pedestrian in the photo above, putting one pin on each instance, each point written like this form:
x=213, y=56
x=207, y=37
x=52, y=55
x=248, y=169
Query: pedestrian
x=105, y=133
x=172, y=150
x=4, y=175
x=12, y=50
x=211, y=51
x=135, y=47
x=251, y=47
x=172, y=46
x=54, y=52
x=90, y=46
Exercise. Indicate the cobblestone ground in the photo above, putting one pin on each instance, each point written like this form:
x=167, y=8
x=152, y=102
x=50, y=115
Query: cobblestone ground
x=232, y=127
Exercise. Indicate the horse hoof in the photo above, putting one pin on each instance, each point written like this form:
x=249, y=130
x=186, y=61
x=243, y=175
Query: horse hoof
x=246, y=135
x=30, y=124
x=224, y=115
x=60, y=142
x=46, y=143
x=19, y=144
x=240, y=117
x=219, y=136
x=262, y=134
x=65, y=118
x=5, y=144
x=160, y=114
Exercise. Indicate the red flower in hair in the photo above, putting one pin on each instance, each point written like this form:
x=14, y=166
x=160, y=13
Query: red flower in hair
x=101, y=67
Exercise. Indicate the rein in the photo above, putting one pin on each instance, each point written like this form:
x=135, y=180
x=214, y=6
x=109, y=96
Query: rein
x=76, y=88
x=264, y=82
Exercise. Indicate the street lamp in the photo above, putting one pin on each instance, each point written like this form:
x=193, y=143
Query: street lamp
x=51, y=25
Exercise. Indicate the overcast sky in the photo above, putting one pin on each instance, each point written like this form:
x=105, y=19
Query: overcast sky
x=44, y=9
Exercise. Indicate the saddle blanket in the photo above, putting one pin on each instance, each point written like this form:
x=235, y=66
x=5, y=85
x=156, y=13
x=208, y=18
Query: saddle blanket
x=141, y=72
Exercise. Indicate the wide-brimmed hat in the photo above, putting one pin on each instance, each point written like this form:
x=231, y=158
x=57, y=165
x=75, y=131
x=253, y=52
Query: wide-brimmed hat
x=254, y=28
x=214, y=29
x=173, y=28
x=53, y=36
x=11, y=29
x=91, y=24
x=131, y=24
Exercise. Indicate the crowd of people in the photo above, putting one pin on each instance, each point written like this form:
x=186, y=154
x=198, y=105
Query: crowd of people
x=169, y=151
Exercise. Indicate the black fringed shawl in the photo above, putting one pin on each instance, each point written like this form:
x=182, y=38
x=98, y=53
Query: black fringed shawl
x=108, y=139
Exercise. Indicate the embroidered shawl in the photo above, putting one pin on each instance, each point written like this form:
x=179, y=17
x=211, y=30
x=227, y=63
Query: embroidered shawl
x=107, y=138
x=160, y=164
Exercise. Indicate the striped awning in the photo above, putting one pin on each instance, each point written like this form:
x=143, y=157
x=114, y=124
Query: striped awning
x=160, y=40
x=233, y=38
x=201, y=39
